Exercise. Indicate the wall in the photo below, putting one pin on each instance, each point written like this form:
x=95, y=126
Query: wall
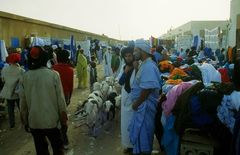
x=194, y=28
x=19, y=27
x=234, y=11
x=238, y=32
x=238, y=21
x=177, y=31
x=197, y=26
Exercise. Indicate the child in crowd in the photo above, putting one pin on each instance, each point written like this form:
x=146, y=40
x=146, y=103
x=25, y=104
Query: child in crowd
x=93, y=72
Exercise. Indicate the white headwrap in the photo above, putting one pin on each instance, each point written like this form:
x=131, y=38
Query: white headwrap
x=54, y=47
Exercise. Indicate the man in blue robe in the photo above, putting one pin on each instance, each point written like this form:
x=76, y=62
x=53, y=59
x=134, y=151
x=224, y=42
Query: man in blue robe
x=158, y=54
x=144, y=94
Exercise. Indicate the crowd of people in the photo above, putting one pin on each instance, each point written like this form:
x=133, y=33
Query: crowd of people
x=163, y=93
x=39, y=81
x=41, y=94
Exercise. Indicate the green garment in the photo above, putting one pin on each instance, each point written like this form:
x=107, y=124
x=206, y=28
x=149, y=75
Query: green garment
x=82, y=70
x=115, y=63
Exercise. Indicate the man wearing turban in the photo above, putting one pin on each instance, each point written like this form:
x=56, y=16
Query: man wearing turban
x=10, y=76
x=43, y=107
x=126, y=79
x=144, y=95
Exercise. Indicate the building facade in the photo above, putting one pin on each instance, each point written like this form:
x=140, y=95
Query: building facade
x=234, y=23
x=184, y=35
x=14, y=28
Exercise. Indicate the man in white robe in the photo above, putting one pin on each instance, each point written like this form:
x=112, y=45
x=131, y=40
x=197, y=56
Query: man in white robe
x=107, y=62
x=126, y=78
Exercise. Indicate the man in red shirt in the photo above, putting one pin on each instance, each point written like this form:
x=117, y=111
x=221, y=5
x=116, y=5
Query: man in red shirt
x=66, y=72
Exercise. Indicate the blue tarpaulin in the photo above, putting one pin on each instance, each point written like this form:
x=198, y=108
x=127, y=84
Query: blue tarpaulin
x=195, y=41
x=15, y=42
x=73, y=49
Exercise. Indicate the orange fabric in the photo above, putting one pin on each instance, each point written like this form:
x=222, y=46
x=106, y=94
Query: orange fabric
x=174, y=82
x=164, y=65
x=229, y=53
x=177, y=72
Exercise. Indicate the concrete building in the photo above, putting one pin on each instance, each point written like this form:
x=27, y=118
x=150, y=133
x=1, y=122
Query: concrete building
x=195, y=28
x=187, y=31
x=18, y=28
x=234, y=25
x=238, y=32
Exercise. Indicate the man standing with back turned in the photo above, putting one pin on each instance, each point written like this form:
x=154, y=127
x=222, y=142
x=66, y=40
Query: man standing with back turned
x=42, y=103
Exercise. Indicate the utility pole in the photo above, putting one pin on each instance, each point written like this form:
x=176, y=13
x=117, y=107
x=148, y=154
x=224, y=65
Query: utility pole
x=119, y=33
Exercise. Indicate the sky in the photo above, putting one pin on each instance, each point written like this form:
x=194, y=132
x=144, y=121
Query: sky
x=120, y=19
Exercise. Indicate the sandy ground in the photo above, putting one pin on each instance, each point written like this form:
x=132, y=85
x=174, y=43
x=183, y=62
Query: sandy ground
x=17, y=142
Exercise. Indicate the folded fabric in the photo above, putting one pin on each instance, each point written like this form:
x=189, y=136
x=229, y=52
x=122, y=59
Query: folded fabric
x=235, y=96
x=199, y=116
x=210, y=100
x=182, y=109
x=209, y=74
x=170, y=140
x=166, y=66
x=225, y=113
x=174, y=82
x=195, y=72
x=224, y=75
x=229, y=106
x=177, y=73
x=167, y=87
x=172, y=96
x=224, y=88
x=236, y=134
